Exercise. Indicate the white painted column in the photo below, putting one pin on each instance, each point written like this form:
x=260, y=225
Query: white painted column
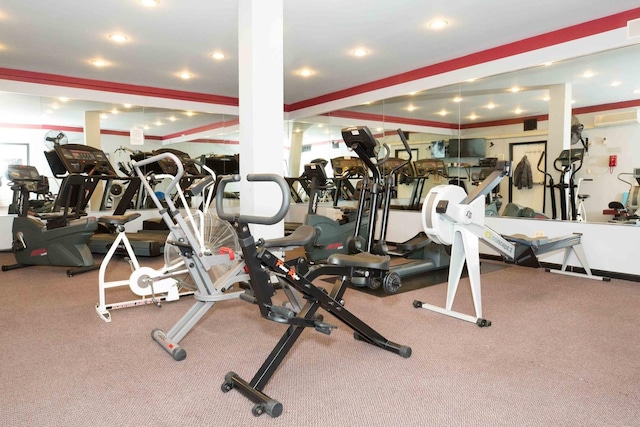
x=296, y=137
x=559, y=120
x=559, y=130
x=92, y=139
x=261, y=88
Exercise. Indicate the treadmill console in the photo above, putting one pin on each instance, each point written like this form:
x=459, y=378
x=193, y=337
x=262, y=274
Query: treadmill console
x=396, y=162
x=571, y=156
x=169, y=167
x=351, y=166
x=78, y=159
x=22, y=173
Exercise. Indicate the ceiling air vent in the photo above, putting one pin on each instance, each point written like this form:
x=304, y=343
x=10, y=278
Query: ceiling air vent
x=615, y=119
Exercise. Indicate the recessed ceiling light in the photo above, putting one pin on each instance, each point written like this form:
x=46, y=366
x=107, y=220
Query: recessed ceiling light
x=149, y=3
x=63, y=99
x=172, y=119
x=615, y=83
x=411, y=108
x=118, y=38
x=104, y=116
x=217, y=55
x=548, y=64
x=437, y=24
x=305, y=72
x=588, y=74
x=546, y=98
x=157, y=123
x=189, y=113
x=185, y=75
x=443, y=112
x=457, y=99
x=473, y=116
x=360, y=52
x=636, y=91
x=98, y=62
x=491, y=105
x=515, y=89
x=518, y=111
x=126, y=105
x=114, y=111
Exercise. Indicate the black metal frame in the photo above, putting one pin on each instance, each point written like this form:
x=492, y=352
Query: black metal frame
x=260, y=262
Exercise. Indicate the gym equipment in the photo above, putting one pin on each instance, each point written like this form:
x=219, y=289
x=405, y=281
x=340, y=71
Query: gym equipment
x=450, y=217
x=425, y=168
x=260, y=263
x=202, y=246
x=550, y=184
x=418, y=254
x=568, y=163
x=627, y=211
x=92, y=165
x=36, y=184
x=62, y=239
x=344, y=170
x=581, y=211
x=332, y=236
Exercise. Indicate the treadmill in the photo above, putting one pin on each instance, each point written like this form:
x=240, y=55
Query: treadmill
x=77, y=160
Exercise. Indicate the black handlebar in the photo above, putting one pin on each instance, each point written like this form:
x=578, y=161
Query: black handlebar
x=253, y=219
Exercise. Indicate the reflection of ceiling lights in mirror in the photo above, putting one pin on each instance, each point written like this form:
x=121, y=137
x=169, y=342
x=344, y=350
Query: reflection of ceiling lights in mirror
x=437, y=24
x=98, y=62
x=443, y=112
x=305, y=72
x=515, y=89
x=217, y=55
x=491, y=105
x=457, y=99
x=588, y=74
x=149, y=3
x=518, y=111
x=157, y=123
x=411, y=108
x=185, y=75
x=360, y=52
x=118, y=38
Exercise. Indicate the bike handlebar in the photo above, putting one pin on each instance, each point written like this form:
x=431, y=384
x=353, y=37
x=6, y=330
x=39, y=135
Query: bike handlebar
x=253, y=219
x=179, y=171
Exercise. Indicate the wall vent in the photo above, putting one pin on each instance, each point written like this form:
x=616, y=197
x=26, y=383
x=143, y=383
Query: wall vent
x=614, y=119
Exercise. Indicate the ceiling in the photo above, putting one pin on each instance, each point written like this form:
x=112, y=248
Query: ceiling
x=60, y=38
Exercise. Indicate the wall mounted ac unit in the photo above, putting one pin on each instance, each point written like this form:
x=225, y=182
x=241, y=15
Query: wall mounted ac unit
x=614, y=119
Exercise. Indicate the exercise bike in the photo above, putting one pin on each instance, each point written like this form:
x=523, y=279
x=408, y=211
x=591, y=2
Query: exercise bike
x=55, y=238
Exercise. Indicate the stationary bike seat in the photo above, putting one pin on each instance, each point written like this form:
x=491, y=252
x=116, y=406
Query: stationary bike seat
x=300, y=237
x=118, y=219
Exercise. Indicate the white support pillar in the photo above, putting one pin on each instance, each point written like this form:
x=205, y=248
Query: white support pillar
x=261, y=89
x=295, y=152
x=559, y=119
x=92, y=139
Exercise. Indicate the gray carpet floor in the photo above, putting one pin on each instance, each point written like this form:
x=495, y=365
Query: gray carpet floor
x=562, y=351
